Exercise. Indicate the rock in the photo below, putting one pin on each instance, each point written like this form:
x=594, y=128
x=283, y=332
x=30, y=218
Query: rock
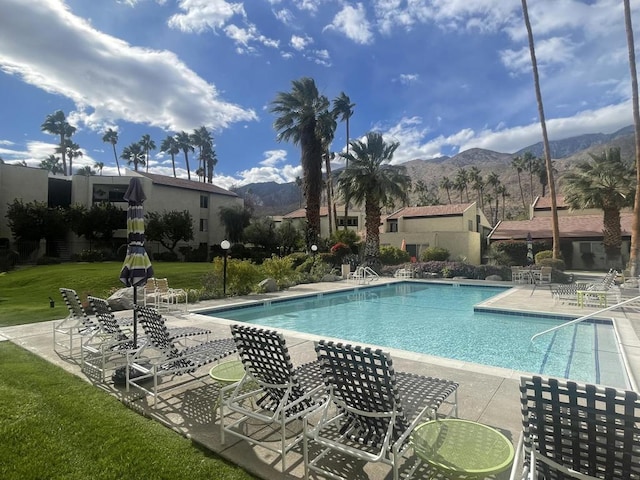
x=268, y=285
x=494, y=278
x=330, y=278
x=123, y=299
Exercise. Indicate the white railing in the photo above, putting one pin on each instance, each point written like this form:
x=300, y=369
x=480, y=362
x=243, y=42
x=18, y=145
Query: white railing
x=585, y=317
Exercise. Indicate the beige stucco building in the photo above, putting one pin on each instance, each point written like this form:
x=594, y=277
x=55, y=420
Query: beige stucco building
x=459, y=228
x=355, y=220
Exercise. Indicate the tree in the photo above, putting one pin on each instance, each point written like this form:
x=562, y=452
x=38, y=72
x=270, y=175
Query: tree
x=203, y=140
x=371, y=180
x=326, y=129
x=502, y=191
x=133, y=154
x=184, y=144
x=634, y=257
x=555, y=228
x=56, y=124
x=97, y=223
x=289, y=237
x=261, y=233
x=343, y=108
x=111, y=136
x=147, y=145
x=477, y=183
x=99, y=166
x=460, y=183
x=51, y=163
x=493, y=181
x=87, y=171
x=72, y=150
x=518, y=164
x=33, y=221
x=426, y=194
x=297, y=115
x=608, y=183
x=235, y=219
x=447, y=185
x=170, y=145
x=169, y=228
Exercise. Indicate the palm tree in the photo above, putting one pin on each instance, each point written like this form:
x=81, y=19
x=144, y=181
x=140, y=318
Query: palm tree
x=170, y=145
x=461, y=181
x=51, y=163
x=298, y=182
x=134, y=155
x=555, y=228
x=297, y=115
x=343, y=108
x=447, y=185
x=111, y=136
x=504, y=193
x=203, y=140
x=371, y=180
x=200, y=173
x=608, y=183
x=99, y=166
x=477, y=184
x=326, y=129
x=56, y=124
x=147, y=145
x=518, y=164
x=493, y=181
x=86, y=171
x=184, y=143
x=72, y=150
x=634, y=256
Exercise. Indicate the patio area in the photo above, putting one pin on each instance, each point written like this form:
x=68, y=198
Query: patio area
x=488, y=395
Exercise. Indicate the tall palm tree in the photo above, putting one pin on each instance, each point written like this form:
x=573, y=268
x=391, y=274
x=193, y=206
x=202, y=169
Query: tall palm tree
x=99, y=166
x=184, y=143
x=477, y=183
x=72, y=150
x=461, y=181
x=297, y=115
x=51, y=163
x=147, y=145
x=555, y=228
x=111, y=136
x=504, y=193
x=446, y=184
x=343, y=107
x=203, y=140
x=606, y=182
x=518, y=163
x=371, y=180
x=170, y=145
x=133, y=154
x=56, y=124
x=326, y=129
x=210, y=160
x=634, y=256
x=493, y=181
x=86, y=171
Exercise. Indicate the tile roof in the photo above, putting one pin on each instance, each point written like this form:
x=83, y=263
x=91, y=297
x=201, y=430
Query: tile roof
x=544, y=203
x=188, y=184
x=575, y=226
x=431, y=211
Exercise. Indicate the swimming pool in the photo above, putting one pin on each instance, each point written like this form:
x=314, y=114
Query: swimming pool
x=439, y=319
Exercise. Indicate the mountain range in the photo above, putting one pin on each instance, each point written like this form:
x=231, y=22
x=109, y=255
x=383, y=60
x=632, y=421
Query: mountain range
x=272, y=198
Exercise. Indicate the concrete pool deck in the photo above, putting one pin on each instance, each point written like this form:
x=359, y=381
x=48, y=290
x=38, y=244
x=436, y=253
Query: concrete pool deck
x=486, y=394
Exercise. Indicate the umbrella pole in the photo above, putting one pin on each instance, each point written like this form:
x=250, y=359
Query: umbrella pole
x=135, y=317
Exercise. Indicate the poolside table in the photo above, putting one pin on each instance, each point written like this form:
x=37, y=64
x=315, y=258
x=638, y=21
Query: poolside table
x=462, y=448
x=601, y=294
x=226, y=373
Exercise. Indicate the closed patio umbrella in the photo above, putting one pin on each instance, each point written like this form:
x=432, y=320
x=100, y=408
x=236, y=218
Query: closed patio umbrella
x=136, y=269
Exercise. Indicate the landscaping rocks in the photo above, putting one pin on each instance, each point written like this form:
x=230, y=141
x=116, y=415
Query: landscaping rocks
x=268, y=285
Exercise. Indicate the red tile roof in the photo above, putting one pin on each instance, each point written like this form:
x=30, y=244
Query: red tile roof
x=431, y=211
x=188, y=184
x=575, y=226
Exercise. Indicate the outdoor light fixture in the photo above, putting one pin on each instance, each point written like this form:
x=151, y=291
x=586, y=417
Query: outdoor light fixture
x=314, y=248
x=225, y=245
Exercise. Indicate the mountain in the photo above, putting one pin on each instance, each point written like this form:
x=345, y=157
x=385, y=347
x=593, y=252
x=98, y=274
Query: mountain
x=279, y=198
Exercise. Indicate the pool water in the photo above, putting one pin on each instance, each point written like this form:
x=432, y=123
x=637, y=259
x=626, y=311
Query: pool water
x=439, y=319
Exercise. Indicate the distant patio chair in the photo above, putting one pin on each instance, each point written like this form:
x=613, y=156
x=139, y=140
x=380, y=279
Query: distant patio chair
x=543, y=275
x=167, y=298
x=372, y=410
x=573, y=430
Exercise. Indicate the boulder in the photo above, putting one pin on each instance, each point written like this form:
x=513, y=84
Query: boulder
x=123, y=299
x=269, y=285
x=330, y=277
x=494, y=278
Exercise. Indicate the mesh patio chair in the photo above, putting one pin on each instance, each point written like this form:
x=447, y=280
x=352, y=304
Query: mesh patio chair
x=69, y=332
x=272, y=392
x=161, y=358
x=573, y=430
x=167, y=298
x=372, y=409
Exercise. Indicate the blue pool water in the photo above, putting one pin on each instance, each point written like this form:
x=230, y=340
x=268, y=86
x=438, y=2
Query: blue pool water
x=439, y=319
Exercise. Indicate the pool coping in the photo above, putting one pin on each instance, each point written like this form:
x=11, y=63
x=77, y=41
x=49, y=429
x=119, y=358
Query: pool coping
x=629, y=343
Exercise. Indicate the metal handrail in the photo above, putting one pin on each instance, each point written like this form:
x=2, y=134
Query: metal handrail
x=585, y=317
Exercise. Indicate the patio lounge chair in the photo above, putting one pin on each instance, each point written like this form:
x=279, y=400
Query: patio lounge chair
x=68, y=333
x=372, y=409
x=110, y=342
x=272, y=393
x=161, y=358
x=167, y=298
x=567, y=292
x=573, y=430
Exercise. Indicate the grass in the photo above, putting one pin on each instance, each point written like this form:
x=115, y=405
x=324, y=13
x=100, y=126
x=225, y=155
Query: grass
x=54, y=425
x=24, y=293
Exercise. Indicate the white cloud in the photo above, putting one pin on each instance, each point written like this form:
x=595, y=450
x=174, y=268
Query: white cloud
x=550, y=51
x=408, y=78
x=311, y=6
x=201, y=15
x=300, y=43
x=108, y=79
x=243, y=36
x=353, y=23
x=273, y=157
x=285, y=16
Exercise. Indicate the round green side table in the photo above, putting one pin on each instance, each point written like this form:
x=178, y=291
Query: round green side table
x=462, y=448
x=226, y=373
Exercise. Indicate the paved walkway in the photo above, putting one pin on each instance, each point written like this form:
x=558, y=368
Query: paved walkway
x=486, y=394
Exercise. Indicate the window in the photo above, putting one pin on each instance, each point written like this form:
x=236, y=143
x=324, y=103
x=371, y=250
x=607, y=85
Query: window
x=351, y=221
x=204, y=225
x=470, y=225
x=204, y=201
x=393, y=225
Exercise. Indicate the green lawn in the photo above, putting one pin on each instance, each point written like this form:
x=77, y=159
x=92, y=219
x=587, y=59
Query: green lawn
x=54, y=425
x=24, y=293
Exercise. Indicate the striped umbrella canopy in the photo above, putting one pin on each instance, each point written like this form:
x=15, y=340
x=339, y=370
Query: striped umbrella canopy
x=136, y=269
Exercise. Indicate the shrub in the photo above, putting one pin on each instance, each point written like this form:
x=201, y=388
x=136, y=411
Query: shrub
x=313, y=269
x=48, y=260
x=340, y=250
x=390, y=255
x=90, y=256
x=242, y=276
x=449, y=269
x=435, y=254
x=557, y=264
x=281, y=270
x=483, y=271
x=8, y=260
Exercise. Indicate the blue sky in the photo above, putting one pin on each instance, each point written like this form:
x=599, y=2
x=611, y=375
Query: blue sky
x=438, y=76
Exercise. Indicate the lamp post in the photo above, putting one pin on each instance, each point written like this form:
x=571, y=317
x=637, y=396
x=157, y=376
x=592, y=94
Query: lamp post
x=225, y=245
x=314, y=249
x=529, y=249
